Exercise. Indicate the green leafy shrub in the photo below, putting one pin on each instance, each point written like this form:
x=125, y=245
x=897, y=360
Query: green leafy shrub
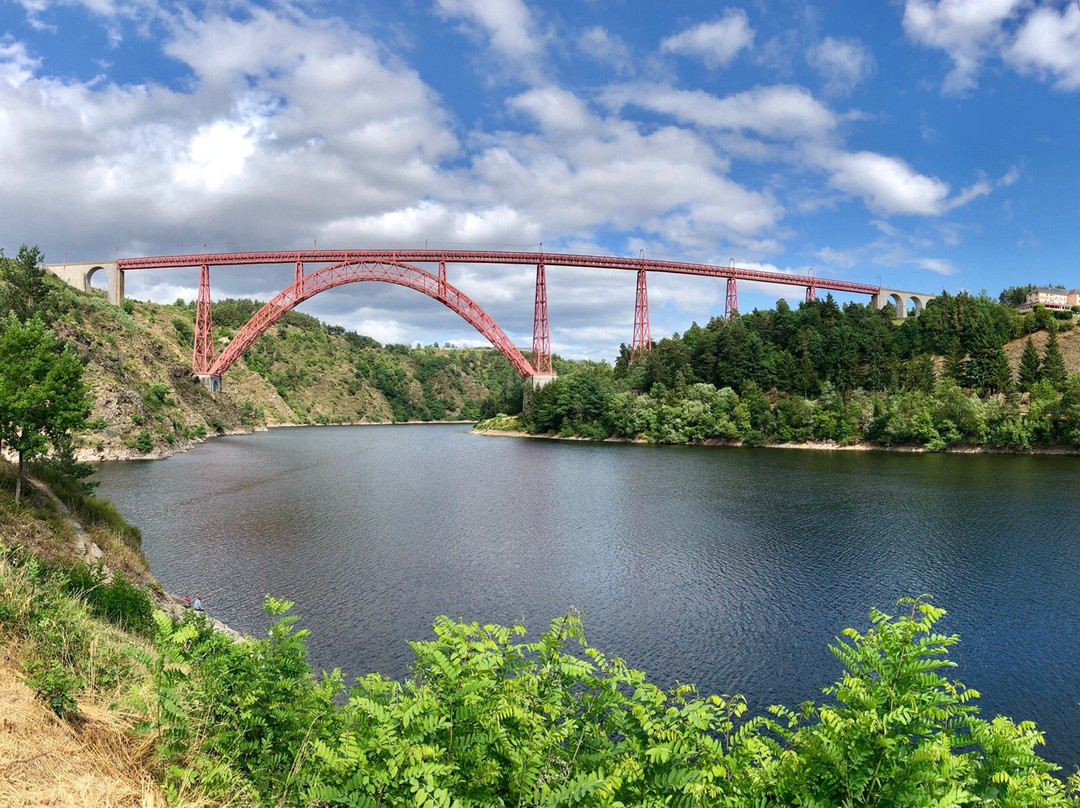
x=900, y=733
x=157, y=396
x=120, y=601
x=236, y=715
x=55, y=684
x=486, y=719
x=144, y=442
x=185, y=333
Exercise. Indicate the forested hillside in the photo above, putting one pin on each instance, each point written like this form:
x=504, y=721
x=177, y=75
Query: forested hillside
x=969, y=371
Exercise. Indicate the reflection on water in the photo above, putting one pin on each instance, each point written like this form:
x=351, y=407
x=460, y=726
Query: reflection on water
x=733, y=569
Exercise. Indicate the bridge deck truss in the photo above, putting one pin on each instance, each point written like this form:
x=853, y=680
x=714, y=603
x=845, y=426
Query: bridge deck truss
x=397, y=266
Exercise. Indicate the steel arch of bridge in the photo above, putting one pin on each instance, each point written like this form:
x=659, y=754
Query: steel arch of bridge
x=402, y=274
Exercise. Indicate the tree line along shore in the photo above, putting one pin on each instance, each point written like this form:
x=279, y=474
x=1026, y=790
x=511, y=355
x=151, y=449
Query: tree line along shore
x=969, y=373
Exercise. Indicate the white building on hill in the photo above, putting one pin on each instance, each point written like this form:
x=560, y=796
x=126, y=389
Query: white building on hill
x=1052, y=298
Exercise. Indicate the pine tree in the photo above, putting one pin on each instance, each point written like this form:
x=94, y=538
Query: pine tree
x=786, y=372
x=999, y=373
x=1053, y=363
x=23, y=290
x=987, y=368
x=1030, y=369
x=953, y=367
x=806, y=378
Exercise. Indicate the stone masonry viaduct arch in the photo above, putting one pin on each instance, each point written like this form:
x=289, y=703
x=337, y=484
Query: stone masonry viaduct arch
x=79, y=275
x=902, y=300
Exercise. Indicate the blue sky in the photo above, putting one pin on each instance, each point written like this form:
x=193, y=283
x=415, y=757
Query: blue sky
x=920, y=144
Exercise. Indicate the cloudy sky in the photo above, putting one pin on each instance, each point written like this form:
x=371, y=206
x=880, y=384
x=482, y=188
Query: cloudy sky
x=919, y=144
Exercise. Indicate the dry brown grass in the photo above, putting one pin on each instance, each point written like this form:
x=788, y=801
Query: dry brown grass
x=93, y=762
x=1068, y=341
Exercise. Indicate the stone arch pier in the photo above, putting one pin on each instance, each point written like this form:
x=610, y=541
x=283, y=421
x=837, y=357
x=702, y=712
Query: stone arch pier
x=79, y=275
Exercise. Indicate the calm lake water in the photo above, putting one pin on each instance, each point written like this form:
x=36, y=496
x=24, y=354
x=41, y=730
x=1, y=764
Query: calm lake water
x=729, y=568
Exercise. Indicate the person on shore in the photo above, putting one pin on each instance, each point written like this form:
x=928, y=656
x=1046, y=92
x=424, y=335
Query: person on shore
x=197, y=606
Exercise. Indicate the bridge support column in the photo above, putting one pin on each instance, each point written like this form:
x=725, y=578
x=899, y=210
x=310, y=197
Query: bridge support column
x=541, y=347
x=901, y=300
x=202, y=355
x=78, y=275
x=211, y=382
x=535, y=382
x=731, y=303
x=538, y=380
x=116, y=284
x=642, y=342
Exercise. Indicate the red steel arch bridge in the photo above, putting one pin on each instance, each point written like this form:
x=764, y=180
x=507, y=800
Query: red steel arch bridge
x=337, y=267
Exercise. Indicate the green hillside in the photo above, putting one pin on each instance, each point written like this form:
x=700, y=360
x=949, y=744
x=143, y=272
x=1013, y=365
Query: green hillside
x=147, y=403
x=970, y=372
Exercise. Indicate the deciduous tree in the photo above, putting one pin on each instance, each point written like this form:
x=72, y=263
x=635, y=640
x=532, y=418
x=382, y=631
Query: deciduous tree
x=42, y=394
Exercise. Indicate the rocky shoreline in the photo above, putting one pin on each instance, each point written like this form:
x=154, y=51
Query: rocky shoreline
x=88, y=552
x=104, y=454
x=114, y=452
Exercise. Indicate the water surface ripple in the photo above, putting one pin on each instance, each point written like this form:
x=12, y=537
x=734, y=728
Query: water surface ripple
x=730, y=568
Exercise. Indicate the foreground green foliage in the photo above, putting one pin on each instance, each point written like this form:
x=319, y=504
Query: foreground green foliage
x=52, y=610
x=486, y=719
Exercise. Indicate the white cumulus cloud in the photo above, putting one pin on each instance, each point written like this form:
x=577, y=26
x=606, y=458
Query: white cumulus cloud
x=716, y=43
x=779, y=111
x=967, y=30
x=888, y=184
x=509, y=26
x=607, y=48
x=1048, y=46
x=842, y=63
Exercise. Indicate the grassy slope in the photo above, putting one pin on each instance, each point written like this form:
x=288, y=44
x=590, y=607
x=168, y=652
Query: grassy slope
x=1068, y=341
x=301, y=372
x=314, y=377
x=45, y=761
